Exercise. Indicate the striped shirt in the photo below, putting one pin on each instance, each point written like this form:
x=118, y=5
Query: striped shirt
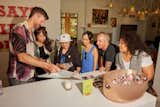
x=20, y=41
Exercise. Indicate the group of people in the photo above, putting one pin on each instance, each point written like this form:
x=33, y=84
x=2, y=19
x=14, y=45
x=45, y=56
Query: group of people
x=30, y=51
x=90, y=56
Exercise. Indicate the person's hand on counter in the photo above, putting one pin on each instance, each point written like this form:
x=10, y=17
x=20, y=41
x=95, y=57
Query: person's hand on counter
x=51, y=68
x=102, y=69
x=64, y=66
x=37, y=62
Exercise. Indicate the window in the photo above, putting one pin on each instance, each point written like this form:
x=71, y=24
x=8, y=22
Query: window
x=69, y=24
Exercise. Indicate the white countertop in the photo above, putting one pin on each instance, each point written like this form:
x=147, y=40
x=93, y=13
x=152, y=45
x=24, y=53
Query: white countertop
x=50, y=93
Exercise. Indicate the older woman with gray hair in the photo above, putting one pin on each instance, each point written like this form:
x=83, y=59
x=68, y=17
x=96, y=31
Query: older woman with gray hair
x=67, y=56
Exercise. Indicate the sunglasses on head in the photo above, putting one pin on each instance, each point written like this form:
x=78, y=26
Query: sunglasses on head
x=85, y=55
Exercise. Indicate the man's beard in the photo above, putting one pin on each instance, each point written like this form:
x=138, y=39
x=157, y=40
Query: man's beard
x=37, y=26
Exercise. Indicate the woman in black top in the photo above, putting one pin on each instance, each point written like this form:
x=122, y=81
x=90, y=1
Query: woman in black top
x=42, y=47
x=67, y=57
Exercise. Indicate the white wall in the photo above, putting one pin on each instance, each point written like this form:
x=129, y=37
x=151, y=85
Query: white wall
x=52, y=7
x=84, y=9
x=75, y=6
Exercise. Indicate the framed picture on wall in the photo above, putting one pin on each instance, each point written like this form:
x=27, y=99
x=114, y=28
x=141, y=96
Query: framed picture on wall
x=99, y=16
x=113, y=22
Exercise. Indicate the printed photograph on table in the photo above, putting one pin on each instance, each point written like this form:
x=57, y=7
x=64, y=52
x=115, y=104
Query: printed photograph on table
x=99, y=16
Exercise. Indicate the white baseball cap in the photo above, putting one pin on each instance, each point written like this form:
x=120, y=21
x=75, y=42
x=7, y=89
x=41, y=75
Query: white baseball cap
x=65, y=38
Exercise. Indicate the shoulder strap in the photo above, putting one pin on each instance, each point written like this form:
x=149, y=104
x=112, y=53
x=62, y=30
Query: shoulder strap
x=92, y=48
x=119, y=61
x=82, y=50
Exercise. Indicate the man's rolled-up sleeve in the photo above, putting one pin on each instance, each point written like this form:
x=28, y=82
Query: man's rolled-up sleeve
x=110, y=55
x=18, y=43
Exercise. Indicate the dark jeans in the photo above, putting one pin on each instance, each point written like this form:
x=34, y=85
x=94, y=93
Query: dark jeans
x=14, y=81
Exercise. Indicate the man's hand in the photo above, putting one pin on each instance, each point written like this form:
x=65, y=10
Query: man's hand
x=51, y=68
x=108, y=65
x=37, y=62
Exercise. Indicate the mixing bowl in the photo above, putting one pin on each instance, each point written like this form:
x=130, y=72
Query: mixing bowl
x=124, y=85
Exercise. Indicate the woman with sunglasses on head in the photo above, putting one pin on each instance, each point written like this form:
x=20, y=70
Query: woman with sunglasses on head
x=89, y=53
x=42, y=48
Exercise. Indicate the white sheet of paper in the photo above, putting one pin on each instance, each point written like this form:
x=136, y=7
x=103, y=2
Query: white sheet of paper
x=94, y=74
x=61, y=74
x=68, y=74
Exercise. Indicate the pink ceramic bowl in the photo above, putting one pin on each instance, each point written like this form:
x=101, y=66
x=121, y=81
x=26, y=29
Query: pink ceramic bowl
x=126, y=91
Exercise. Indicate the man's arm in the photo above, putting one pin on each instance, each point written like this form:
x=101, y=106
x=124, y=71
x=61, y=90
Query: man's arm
x=34, y=61
x=109, y=57
x=18, y=48
x=100, y=61
x=108, y=65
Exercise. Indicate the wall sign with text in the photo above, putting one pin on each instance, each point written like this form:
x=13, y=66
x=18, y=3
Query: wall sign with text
x=8, y=16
